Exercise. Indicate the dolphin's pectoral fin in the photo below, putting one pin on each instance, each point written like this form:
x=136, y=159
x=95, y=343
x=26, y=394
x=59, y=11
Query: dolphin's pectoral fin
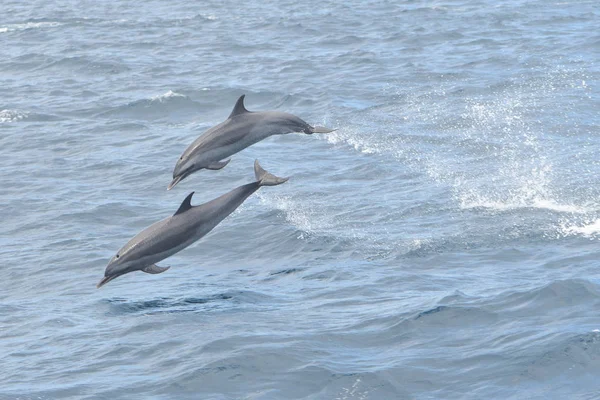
x=155, y=269
x=218, y=164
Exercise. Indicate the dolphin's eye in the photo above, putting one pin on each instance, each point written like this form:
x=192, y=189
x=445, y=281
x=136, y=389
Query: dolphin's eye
x=117, y=256
x=181, y=158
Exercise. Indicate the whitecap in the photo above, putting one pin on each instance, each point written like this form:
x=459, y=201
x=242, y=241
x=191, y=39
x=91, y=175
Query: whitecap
x=166, y=96
x=12, y=115
x=29, y=25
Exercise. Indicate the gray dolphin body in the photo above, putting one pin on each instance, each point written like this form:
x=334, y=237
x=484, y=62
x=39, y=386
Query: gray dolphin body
x=241, y=129
x=175, y=233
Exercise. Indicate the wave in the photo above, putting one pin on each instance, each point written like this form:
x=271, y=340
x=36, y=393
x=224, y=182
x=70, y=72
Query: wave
x=205, y=106
x=84, y=65
x=455, y=315
x=192, y=18
x=167, y=96
x=522, y=198
x=12, y=115
x=168, y=105
x=213, y=103
x=324, y=227
x=553, y=296
x=493, y=317
x=29, y=25
x=187, y=304
x=9, y=116
x=575, y=355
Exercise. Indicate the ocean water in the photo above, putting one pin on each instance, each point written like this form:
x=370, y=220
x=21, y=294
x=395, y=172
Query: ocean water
x=443, y=243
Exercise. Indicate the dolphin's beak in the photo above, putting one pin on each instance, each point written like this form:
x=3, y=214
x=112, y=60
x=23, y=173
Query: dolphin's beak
x=318, y=129
x=175, y=181
x=105, y=280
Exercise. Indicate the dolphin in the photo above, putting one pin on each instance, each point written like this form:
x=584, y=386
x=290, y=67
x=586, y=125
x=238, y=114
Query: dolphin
x=175, y=233
x=241, y=129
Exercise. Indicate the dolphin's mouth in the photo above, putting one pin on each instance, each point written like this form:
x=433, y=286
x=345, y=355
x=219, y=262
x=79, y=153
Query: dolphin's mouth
x=174, y=182
x=180, y=177
x=105, y=280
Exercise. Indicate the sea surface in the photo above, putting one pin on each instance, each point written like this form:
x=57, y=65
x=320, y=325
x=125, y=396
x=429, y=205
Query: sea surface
x=443, y=243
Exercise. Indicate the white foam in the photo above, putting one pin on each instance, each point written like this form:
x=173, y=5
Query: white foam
x=166, y=96
x=564, y=208
x=12, y=115
x=417, y=244
x=587, y=228
x=209, y=17
x=472, y=199
x=28, y=25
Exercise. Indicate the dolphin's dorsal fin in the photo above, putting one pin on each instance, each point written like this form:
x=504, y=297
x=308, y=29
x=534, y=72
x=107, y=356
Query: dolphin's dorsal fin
x=186, y=205
x=239, y=107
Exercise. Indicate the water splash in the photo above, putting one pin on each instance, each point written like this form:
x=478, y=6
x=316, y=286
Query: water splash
x=353, y=392
x=302, y=215
x=492, y=152
x=587, y=227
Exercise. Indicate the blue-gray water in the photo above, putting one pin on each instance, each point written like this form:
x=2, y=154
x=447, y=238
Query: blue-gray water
x=443, y=243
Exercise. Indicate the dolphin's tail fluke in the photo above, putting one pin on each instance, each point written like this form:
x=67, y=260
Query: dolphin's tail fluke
x=266, y=179
x=318, y=129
